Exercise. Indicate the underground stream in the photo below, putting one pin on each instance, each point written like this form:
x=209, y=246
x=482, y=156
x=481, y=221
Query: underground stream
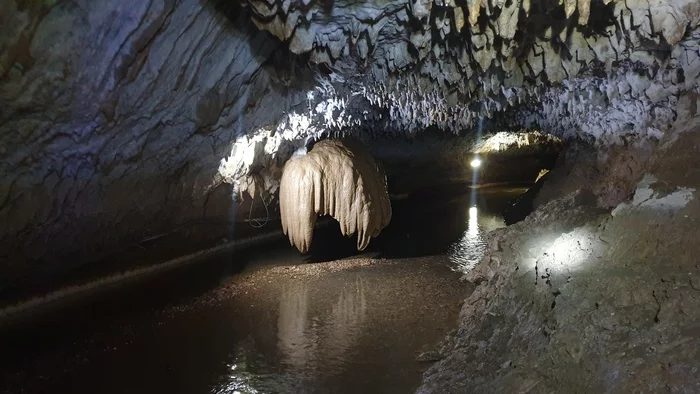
x=267, y=319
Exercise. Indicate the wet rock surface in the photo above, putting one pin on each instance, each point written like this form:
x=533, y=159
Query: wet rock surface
x=578, y=297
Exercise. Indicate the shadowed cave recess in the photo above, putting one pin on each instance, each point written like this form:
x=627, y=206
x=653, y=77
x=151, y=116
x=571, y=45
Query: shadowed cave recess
x=138, y=132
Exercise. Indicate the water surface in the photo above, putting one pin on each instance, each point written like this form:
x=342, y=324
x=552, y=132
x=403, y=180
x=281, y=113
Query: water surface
x=269, y=320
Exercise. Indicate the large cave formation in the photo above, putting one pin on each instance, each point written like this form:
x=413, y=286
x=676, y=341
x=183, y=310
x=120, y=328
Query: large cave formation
x=121, y=121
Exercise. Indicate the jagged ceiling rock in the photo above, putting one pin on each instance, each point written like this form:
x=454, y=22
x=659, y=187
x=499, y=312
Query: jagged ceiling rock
x=601, y=70
x=426, y=23
x=494, y=55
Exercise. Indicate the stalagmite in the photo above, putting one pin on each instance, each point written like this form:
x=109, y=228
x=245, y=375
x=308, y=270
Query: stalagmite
x=336, y=178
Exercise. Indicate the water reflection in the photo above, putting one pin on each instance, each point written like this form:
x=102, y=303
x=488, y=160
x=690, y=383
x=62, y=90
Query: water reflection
x=351, y=330
x=470, y=248
x=238, y=379
x=473, y=225
x=239, y=382
x=304, y=337
x=346, y=320
x=342, y=328
x=295, y=341
x=354, y=325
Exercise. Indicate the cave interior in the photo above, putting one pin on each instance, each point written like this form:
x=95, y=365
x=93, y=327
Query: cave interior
x=517, y=177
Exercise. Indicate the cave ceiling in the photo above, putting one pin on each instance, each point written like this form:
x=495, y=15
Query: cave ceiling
x=604, y=71
x=446, y=63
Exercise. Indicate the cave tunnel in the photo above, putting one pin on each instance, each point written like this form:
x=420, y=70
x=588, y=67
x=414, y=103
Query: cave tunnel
x=267, y=196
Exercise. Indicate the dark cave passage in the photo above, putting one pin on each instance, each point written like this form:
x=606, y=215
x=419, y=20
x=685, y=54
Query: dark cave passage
x=434, y=168
x=262, y=318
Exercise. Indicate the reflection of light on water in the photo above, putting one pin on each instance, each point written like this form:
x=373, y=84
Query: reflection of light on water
x=237, y=383
x=238, y=380
x=468, y=250
x=473, y=225
x=294, y=339
x=347, y=319
x=311, y=344
x=476, y=162
x=302, y=342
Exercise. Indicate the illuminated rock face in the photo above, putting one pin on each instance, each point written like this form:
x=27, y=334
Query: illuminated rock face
x=336, y=178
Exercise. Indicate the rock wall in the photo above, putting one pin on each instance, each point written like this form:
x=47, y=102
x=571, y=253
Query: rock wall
x=584, y=298
x=114, y=117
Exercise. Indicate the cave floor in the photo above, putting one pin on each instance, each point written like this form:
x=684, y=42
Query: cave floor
x=267, y=319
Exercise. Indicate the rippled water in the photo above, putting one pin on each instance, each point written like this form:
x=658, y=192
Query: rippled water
x=270, y=320
x=466, y=252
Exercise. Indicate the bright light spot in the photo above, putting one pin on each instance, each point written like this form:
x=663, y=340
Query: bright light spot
x=238, y=382
x=570, y=250
x=247, y=151
x=476, y=163
x=473, y=224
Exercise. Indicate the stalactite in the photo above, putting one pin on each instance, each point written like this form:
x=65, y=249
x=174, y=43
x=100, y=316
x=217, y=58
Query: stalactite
x=336, y=178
